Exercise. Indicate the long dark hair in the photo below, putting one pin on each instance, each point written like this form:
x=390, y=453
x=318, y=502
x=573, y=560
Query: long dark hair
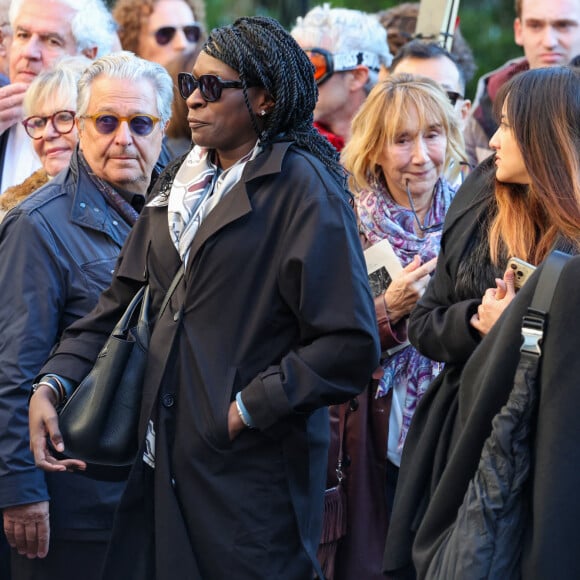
x=543, y=110
x=264, y=53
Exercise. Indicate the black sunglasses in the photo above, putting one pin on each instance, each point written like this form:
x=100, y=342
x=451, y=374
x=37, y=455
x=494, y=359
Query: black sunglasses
x=453, y=97
x=423, y=228
x=165, y=34
x=210, y=86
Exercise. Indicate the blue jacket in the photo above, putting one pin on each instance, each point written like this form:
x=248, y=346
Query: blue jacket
x=57, y=253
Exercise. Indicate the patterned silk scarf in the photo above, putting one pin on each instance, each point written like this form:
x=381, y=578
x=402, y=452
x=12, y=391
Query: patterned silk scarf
x=198, y=186
x=380, y=217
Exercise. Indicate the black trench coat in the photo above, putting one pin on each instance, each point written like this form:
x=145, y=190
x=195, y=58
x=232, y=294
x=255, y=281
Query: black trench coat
x=274, y=302
x=551, y=534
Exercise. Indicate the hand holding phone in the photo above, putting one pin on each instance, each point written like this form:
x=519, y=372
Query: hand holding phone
x=522, y=271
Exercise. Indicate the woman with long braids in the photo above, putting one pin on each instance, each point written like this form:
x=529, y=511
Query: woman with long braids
x=272, y=321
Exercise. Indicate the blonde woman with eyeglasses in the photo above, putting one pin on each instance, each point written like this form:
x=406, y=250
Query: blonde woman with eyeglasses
x=49, y=108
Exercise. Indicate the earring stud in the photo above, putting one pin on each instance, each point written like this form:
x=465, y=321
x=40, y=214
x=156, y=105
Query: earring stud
x=262, y=113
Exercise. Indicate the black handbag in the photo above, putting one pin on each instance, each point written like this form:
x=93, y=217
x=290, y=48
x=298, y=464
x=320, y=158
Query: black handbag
x=99, y=422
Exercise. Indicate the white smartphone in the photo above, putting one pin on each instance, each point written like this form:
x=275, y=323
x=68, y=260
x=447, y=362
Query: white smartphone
x=522, y=271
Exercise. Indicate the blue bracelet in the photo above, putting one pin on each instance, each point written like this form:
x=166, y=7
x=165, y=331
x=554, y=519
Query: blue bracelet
x=243, y=412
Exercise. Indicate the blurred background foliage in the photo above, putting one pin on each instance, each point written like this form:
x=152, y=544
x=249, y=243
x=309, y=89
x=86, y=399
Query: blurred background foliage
x=487, y=26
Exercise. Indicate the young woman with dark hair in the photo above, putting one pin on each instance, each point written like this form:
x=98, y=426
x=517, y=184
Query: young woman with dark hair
x=522, y=202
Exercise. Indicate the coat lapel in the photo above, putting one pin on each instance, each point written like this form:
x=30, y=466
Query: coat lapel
x=237, y=203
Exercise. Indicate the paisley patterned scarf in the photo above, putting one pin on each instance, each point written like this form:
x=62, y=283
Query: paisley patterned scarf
x=380, y=217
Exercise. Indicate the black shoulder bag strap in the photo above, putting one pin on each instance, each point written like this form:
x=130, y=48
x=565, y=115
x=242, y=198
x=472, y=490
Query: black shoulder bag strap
x=535, y=320
x=177, y=278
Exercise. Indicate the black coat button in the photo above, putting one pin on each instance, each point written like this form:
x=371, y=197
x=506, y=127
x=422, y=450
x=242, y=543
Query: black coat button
x=168, y=400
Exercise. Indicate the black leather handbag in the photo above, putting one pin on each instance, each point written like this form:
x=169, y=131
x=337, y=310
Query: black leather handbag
x=99, y=422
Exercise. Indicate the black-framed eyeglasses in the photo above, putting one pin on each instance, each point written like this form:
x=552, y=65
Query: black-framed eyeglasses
x=210, y=86
x=165, y=34
x=61, y=121
x=430, y=228
x=140, y=124
x=453, y=97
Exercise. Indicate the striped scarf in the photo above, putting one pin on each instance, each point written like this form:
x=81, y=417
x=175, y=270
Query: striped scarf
x=198, y=186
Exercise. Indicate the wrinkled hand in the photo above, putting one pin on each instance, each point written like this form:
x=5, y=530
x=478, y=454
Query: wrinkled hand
x=43, y=423
x=11, y=97
x=27, y=528
x=494, y=302
x=406, y=288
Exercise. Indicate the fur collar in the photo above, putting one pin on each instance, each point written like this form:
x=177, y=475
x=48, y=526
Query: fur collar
x=18, y=193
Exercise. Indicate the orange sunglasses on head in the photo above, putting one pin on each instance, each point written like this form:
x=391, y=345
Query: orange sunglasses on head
x=326, y=64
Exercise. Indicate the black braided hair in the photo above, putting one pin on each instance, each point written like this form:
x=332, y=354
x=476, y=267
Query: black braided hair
x=264, y=54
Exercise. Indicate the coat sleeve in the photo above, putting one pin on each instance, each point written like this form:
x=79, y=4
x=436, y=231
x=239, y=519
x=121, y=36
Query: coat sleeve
x=439, y=324
x=322, y=277
x=32, y=285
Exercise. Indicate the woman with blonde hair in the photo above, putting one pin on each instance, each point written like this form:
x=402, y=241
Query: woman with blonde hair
x=49, y=105
x=404, y=140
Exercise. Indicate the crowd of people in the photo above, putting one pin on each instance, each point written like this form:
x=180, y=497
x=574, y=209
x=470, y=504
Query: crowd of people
x=324, y=220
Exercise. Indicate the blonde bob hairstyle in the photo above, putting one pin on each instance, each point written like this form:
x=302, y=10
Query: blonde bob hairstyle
x=386, y=113
x=55, y=88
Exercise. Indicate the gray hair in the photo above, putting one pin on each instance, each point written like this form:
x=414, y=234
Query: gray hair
x=126, y=66
x=342, y=30
x=92, y=26
x=57, y=85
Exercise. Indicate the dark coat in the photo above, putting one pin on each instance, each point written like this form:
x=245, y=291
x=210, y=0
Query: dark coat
x=550, y=546
x=275, y=303
x=59, y=249
x=439, y=327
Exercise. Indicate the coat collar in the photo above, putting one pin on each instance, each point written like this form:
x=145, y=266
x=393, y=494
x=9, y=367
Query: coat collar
x=237, y=203
x=89, y=207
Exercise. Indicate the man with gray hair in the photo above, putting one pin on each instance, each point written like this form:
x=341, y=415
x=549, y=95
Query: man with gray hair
x=42, y=32
x=59, y=248
x=347, y=48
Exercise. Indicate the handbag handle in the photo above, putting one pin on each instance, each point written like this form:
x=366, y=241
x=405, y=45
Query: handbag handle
x=142, y=300
x=122, y=328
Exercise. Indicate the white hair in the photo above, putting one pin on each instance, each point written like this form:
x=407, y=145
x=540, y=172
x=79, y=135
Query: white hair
x=92, y=26
x=125, y=65
x=342, y=30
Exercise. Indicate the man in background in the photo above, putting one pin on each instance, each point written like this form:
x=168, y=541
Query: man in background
x=347, y=49
x=549, y=33
x=431, y=60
